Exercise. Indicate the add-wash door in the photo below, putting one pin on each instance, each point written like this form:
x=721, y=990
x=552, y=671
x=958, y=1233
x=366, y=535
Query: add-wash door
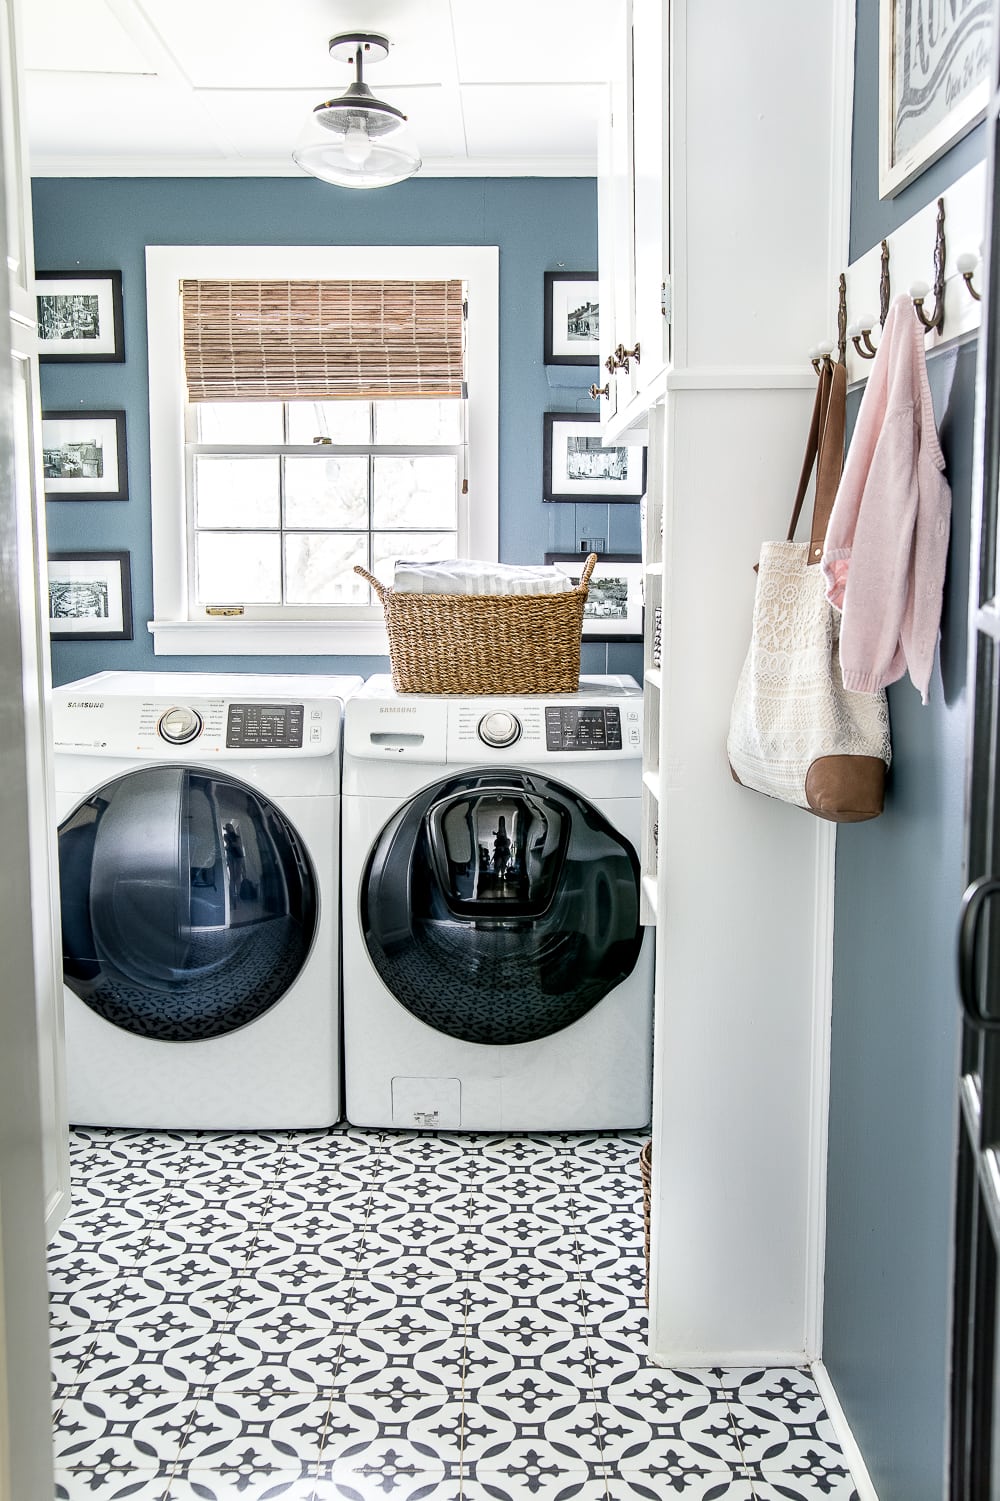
x=975, y=1397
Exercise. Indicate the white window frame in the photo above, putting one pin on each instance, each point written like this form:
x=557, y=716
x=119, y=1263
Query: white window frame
x=174, y=631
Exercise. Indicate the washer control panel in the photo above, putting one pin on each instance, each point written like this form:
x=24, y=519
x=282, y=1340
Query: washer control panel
x=499, y=728
x=265, y=726
x=569, y=727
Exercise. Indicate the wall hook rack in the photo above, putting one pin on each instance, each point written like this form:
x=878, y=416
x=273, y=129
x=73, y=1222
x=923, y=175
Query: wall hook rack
x=920, y=289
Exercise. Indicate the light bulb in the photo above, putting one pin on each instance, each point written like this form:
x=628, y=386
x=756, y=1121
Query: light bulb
x=357, y=146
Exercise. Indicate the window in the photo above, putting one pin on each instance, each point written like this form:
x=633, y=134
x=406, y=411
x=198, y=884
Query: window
x=265, y=506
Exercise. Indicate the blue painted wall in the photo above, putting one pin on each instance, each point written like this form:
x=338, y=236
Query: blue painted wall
x=539, y=225
x=894, y=1074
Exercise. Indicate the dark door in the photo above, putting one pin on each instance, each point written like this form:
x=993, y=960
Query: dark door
x=975, y=1397
x=188, y=903
x=499, y=908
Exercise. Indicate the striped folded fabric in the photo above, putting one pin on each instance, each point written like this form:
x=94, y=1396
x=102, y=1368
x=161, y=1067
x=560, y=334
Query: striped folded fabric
x=469, y=576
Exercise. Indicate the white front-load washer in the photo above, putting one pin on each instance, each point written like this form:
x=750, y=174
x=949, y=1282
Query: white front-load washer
x=496, y=976
x=199, y=868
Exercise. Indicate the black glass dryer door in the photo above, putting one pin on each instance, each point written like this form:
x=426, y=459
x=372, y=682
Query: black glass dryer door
x=188, y=903
x=499, y=908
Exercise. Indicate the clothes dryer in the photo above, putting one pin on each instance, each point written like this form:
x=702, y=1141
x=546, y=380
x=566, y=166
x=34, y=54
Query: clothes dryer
x=199, y=865
x=496, y=976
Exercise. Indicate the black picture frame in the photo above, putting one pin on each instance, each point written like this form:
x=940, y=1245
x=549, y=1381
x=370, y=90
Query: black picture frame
x=102, y=455
x=80, y=317
x=563, y=343
x=560, y=484
x=608, y=618
x=88, y=587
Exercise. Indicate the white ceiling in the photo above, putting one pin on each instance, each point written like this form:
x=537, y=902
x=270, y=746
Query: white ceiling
x=220, y=88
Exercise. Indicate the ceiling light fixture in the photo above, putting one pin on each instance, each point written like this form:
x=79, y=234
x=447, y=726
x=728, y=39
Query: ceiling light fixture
x=356, y=140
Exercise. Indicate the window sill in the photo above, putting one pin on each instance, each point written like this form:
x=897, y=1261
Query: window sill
x=268, y=638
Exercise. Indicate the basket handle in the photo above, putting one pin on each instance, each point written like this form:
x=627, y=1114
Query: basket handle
x=588, y=569
x=380, y=588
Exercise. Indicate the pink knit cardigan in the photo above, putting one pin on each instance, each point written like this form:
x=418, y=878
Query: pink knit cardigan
x=887, y=541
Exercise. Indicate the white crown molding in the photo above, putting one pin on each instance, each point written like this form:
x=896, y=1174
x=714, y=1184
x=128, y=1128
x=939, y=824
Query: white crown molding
x=103, y=166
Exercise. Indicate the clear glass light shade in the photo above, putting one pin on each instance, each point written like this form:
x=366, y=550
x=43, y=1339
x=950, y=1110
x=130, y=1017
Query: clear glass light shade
x=357, y=143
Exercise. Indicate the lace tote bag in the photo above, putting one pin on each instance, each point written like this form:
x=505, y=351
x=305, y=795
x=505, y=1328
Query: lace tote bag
x=795, y=733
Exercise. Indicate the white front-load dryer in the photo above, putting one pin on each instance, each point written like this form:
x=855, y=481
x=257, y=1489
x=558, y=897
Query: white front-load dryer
x=199, y=867
x=496, y=976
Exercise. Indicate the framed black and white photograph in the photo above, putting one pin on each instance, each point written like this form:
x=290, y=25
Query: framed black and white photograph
x=572, y=318
x=578, y=466
x=933, y=83
x=90, y=596
x=613, y=611
x=80, y=316
x=84, y=456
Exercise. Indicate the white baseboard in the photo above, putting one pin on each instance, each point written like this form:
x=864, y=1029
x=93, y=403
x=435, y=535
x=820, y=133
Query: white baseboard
x=859, y=1470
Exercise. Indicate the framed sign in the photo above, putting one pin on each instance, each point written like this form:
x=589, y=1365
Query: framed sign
x=613, y=611
x=577, y=466
x=83, y=456
x=934, y=67
x=572, y=318
x=80, y=316
x=90, y=596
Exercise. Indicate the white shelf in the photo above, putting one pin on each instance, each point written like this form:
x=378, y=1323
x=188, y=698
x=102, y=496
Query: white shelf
x=651, y=782
x=654, y=677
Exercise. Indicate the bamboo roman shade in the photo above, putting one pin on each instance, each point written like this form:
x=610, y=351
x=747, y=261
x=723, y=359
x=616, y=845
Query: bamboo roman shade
x=320, y=340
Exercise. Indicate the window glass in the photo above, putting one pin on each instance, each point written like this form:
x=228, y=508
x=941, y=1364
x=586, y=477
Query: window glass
x=418, y=421
x=340, y=421
x=418, y=492
x=239, y=492
x=238, y=568
x=239, y=421
x=319, y=568
x=387, y=547
x=326, y=492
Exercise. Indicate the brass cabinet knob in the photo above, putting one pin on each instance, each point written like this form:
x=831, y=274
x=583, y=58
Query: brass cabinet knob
x=596, y=391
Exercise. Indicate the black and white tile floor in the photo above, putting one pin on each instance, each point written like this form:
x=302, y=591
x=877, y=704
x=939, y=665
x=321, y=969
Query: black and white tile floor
x=358, y=1315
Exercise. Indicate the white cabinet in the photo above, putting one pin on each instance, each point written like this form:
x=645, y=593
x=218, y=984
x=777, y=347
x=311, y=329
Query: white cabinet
x=633, y=247
x=717, y=185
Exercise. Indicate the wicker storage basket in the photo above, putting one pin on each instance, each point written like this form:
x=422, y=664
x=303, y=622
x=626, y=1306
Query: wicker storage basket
x=484, y=643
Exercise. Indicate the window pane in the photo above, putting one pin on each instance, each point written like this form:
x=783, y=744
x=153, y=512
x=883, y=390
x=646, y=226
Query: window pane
x=419, y=421
x=416, y=492
x=341, y=421
x=324, y=491
x=318, y=569
x=236, y=492
x=236, y=568
x=414, y=546
x=239, y=421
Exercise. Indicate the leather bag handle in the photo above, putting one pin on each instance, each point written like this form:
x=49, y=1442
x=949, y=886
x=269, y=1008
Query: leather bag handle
x=825, y=449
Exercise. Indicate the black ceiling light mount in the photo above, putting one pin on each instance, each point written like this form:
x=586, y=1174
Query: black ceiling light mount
x=356, y=140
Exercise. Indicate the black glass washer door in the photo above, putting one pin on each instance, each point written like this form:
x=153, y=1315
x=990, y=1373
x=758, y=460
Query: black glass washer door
x=189, y=903
x=501, y=907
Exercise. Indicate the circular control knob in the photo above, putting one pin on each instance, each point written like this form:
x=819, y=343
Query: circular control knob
x=499, y=728
x=179, y=725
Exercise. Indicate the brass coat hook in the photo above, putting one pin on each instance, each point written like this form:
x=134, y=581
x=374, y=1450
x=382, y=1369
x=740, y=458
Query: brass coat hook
x=967, y=263
x=860, y=335
x=920, y=289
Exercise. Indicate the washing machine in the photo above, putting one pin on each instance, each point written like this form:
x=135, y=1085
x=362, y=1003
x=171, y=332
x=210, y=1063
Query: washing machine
x=199, y=866
x=496, y=976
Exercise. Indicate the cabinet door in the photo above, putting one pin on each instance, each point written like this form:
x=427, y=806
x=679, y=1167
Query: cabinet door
x=616, y=217
x=650, y=38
